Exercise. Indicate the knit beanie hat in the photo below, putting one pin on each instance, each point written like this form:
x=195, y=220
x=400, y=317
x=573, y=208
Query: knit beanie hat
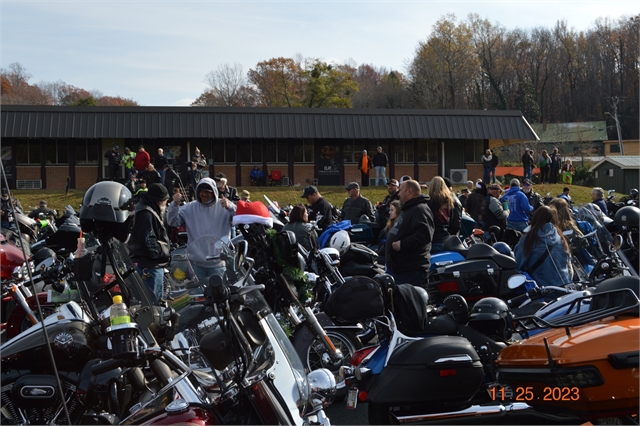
x=157, y=192
x=248, y=212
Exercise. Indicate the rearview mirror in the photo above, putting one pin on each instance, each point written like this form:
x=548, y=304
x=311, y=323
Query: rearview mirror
x=241, y=254
x=516, y=281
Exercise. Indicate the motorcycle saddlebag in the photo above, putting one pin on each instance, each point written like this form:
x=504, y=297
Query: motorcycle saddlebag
x=357, y=299
x=443, y=370
x=359, y=253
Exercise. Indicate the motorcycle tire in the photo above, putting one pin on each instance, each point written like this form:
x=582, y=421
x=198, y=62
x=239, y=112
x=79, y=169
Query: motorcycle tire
x=315, y=356
x=45, y=312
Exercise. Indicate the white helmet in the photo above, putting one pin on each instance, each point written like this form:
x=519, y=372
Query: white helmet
x=340, y=241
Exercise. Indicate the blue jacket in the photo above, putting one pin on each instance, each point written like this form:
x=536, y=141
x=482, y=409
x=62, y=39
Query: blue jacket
x=519, y=207
x=555, y=268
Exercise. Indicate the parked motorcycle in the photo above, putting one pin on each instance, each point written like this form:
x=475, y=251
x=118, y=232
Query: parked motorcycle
x=584, y=366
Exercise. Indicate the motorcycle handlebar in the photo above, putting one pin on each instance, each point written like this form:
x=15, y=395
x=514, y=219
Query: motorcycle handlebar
x=106, y=366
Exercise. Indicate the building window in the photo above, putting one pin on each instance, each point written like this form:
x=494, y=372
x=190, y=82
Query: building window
x=352, y=152
x=86, y=151
x=595, y=174
x=251, y=151
x=427, y=151
x=276, y=151
x=57, y=151
x=28, y=152
x=614, y=148
x=404, y=151
x=473, y=151
x=303, y=151
x=224, y=152
x=610, y=172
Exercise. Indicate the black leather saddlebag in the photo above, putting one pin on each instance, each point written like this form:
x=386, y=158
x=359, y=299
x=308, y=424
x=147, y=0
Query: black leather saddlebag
x=357, y=299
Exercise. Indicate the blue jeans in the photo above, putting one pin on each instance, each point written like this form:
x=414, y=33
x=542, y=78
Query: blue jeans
x=437, y=248
x=528, y=172
x=518, y=225
x=205, y=273
x=493, y=175
x=155, y=279
x=486, y=176
x=381, y=170
x=415, y=277
x=161, y=176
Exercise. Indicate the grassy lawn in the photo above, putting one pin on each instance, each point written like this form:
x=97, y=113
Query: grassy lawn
x=283, y=195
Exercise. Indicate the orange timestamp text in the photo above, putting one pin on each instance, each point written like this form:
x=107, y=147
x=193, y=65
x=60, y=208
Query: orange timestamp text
x=528, y=393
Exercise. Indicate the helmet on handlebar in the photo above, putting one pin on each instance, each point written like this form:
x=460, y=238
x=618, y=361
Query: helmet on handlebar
x=633, y=193
x=492, y=317
x=105, y=210
x=340, y=241
x=628, y=216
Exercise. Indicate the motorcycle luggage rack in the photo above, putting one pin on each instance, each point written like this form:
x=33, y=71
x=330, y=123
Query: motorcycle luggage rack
x=601, y=305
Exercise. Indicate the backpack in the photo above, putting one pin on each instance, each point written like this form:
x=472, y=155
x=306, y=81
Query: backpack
x=358, y=299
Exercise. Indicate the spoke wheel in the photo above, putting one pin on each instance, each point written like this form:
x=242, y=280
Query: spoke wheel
x=318, y=357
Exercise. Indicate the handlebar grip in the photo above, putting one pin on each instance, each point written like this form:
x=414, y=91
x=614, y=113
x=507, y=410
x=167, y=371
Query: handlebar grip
x=218, y=289
x=517, y=300
x=105, y=366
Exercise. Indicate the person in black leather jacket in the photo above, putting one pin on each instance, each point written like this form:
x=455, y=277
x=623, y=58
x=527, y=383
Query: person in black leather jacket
x=409, y=240
x=149, y=243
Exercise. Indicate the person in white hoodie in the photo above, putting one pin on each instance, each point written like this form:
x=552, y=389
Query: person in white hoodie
x=207, y=215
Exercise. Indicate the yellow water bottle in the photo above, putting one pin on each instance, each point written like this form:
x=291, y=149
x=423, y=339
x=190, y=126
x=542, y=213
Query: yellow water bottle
x=119, y=313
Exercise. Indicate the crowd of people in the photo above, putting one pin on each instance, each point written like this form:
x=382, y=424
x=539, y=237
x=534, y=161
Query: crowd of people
x=415, y=219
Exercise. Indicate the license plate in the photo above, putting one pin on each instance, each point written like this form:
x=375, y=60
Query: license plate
x=352, y=399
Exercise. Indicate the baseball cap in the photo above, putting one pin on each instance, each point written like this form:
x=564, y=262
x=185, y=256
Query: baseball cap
x=126, y=148
x=514, y=182
x=220, y=176
x=404, y=178
x=116, y=147
x=494, y=186
x=43, y=203
x=309, y=190
x=393, y=182
x=527, y=182
x=353, y=185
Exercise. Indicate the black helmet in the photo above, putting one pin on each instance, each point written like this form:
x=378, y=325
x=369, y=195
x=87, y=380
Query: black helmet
x=104, y=205
x=492, y=317
x=633, y=193
x=628, y=217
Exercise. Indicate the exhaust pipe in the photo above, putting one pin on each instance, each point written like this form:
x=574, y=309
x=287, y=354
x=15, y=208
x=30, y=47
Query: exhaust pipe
x=473, y=411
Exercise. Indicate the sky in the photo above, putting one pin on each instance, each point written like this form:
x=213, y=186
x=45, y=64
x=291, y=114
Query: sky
x=159, y=52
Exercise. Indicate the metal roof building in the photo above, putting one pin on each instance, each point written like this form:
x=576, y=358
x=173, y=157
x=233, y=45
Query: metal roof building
x=621, y=173
x=308, y=145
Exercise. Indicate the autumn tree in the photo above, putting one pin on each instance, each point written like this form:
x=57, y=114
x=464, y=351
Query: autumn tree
x=278, y=82
x=327, y=86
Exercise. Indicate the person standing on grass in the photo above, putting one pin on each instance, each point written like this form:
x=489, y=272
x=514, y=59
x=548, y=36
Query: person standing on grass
x=364, y=166
x=544, y=162
x=142, y=160
x=159, y=162
x=128, y=158
x=527, y=164
x=555, y=166
x=380, y=161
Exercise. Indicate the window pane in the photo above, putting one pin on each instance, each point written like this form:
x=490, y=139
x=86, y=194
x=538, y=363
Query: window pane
x=298, y=152
x=92, y=151
x=22, y=152
x=348, y=152
x=357, y=151
x=63, y=151
x=50, y=147
x=408, y=152
x=245, y=152
x=218, y=152
x=423, y=150
x=272, y=151
x=282, y=152
x=308, y=151
x=256, y=151
x=81, y=152
x=229, y=152
x=34, y=152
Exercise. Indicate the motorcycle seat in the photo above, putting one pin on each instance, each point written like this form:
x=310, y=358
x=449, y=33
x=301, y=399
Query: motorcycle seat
x=485, y=251
x=454, y=243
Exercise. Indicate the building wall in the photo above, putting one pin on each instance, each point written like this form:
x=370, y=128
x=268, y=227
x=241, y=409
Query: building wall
x=426, y=172
x=609, y=182
x=352, y=174
x=28, y=172
x=57, y=176
x=474, y=171
x=302, y=173
x=631, y=147
x=85, y=176
x=404, y=169
x=229, y=171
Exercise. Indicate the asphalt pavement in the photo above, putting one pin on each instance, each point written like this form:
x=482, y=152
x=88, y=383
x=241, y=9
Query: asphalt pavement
x=339, y=415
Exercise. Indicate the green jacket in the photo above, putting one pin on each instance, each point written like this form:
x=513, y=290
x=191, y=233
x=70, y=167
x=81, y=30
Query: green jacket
x=128, y=159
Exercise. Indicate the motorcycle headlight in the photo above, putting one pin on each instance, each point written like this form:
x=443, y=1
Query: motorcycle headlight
x=322, y=384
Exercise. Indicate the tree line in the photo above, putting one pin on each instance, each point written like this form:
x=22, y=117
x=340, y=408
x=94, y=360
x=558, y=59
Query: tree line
x=16, y=90
x=551, y=74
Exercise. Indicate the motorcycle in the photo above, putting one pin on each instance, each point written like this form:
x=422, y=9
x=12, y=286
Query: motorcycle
x=583, y=366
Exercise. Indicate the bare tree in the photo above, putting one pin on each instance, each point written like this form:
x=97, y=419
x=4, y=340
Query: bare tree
x=227, y=83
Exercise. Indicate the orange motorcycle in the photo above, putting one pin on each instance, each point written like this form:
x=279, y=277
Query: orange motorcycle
x=585, y=364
